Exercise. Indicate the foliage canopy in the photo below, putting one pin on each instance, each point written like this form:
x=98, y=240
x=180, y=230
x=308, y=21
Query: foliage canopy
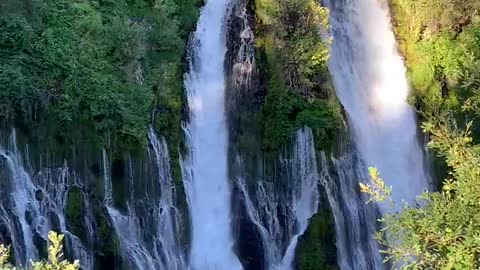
x=100, y=64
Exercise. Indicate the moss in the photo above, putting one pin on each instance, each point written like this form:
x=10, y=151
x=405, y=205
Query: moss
x=107, y=244
x=316, y=249
x=75, y=211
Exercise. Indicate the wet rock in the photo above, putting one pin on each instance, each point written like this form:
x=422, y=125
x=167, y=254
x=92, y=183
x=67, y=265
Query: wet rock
x=41, y=245
x=54, y=221
x=39, y=195
x=29, y=217
x=245, y=91
x=248, y=242
x=107, y=244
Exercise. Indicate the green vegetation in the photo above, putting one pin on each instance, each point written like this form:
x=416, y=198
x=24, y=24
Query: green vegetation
x=55, y=256
x=101, y=65
x=293, y=55
x=316, y=248
x=75, y=212
x=441, y=43
x=444, y=232
x=299, y=92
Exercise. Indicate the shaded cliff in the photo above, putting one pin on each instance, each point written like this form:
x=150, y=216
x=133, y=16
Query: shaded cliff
x=263, y=111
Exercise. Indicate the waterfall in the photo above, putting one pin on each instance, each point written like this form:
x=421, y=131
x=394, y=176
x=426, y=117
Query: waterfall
x=134, y=249
x=169, y=215
x=354, y=219
x=369, y=78
x=281, y=215
x=305, y=195
x=205, y=169
x=24, y=202
x=161, y=248
x=32, y=206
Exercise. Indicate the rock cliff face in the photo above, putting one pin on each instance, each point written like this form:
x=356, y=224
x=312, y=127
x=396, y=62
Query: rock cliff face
x=264, y=222
x=245, y=93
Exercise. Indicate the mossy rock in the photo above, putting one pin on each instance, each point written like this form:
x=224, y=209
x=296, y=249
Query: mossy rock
x=107, y=252
x=316, y=249
x=75, y=211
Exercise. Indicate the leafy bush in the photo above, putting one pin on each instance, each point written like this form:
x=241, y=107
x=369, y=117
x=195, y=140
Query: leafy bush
x=442, y=233
x=440, y=42
x=55, y=256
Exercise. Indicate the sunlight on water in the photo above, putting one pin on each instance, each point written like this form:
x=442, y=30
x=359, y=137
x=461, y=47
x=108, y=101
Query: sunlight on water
x=369, y=78
x=370, y=81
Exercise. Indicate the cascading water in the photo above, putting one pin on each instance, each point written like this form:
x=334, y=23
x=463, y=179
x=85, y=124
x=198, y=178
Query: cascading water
x=161, y=249
x=305, y=195
x=297, y=202
x=275, y=198
x=107, y=188
x=205, y=169
x=354, y=219
x=134, y=251
x=369, y=78
x=244, y=66
x=23, y=195
x=168, y=215
x=30, y=208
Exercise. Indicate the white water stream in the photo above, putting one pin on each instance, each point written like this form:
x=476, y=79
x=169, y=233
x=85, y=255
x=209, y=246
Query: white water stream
x=297, y=204
x=33, y=203
x=205, y=169
x=369, y=78
x=160, y=249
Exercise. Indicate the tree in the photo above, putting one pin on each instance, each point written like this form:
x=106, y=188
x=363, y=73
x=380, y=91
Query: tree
x=443, y=230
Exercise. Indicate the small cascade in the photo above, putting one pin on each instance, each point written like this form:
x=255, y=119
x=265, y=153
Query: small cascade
x=134, y=250
x=244, y=91
x=31, y=207
x=353, y=216
x=24, y=206
x=107, y=189
x=56, y=192
x=306, y=195
x=154, y=245
x=281, y=215
x=244, y=64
